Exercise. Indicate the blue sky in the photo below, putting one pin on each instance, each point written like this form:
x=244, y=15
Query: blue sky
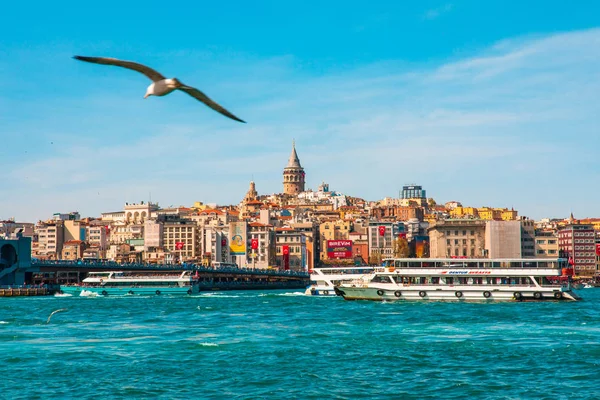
x=489, y=103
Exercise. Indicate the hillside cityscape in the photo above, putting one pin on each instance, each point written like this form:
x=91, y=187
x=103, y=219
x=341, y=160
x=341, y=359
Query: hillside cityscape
x=300, y=229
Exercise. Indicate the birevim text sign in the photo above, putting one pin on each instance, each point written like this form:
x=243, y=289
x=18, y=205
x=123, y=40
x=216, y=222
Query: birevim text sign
x=339, y=249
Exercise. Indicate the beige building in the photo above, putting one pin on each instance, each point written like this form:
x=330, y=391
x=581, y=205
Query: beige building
x=457, y=238
x=180, y=238
x=50, y=239
x=333, y=230
x=546, y=244
x=73, y=250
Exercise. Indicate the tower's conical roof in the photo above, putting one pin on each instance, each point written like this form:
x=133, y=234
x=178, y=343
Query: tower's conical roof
x=294, y=161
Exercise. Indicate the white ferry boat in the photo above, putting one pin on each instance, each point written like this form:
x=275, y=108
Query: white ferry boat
x=464, y=280
x=324, y=280
x=118, y=283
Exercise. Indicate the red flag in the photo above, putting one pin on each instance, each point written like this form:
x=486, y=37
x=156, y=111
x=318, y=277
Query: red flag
x=179, y=245
x=571, y=262
x=286, y=250
x=254, y=244
x=598, y=249
x=381, y=230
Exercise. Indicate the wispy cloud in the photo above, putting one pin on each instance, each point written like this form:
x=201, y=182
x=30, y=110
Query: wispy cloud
x=505, y=127
x=436, y=12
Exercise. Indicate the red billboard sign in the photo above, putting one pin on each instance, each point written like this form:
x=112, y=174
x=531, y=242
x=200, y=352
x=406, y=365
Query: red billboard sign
x=339, y=248
x=381, y=230
x=254, y=244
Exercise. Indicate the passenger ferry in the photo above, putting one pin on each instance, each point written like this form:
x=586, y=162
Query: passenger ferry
x=464, y=280
x=118, y=283
x=324, y=280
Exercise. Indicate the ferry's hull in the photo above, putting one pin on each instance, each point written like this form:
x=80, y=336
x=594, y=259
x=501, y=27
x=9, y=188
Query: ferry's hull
x=123, y=291
x=420, y=293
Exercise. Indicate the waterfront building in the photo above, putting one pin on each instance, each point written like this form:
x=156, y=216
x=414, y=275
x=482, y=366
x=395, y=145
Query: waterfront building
x=293, y=175
x=577, y=242
x=302, y=223
x=546, y=243
x=214, y=244
x=502, y=239
x=153, y=235
x=264, y=236
x=50, y=236
x=73, y=250
x=290, y=249
x=337, y=229
x=381, y=236
x=97, y=236
x=528, y=238
x=138, y=213
x=457, y=238
x=8, y=227
x=74, y=230
x=360, y=246
x=180, y=237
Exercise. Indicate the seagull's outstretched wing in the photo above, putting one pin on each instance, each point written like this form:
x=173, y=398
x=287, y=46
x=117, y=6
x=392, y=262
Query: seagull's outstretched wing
x=149, y=72
x=206, y=100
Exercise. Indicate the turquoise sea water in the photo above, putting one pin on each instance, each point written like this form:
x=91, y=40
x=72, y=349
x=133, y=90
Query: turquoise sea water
x=280, y=344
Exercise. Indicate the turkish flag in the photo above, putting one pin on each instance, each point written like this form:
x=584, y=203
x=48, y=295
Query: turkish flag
x=179, y=245
x=598, y=249
x=381, y=230
x=254, y=244
x=286, y=250
x=571, y=262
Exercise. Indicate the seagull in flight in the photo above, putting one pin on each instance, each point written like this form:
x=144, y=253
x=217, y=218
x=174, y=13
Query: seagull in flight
x=160, y=85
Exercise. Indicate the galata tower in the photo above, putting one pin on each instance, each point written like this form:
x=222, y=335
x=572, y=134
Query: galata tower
x=293, y=174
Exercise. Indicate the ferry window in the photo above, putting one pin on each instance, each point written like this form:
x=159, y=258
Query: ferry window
x=381, y=279
x=450, y=280
x=435, y=280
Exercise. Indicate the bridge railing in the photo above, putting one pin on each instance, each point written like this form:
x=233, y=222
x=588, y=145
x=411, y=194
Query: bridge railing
x=112, y=265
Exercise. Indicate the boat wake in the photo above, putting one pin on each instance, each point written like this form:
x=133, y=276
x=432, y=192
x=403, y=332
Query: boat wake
x=88, y=293
x=63, y=295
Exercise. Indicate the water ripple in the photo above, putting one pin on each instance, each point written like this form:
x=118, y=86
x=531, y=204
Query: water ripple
x=248, y=345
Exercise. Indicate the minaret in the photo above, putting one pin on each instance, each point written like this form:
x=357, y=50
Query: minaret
x=293, y=174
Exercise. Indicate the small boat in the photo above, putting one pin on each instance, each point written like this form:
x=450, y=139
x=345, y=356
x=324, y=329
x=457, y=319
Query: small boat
x=117, y=283
x=464, y=280
x=323, y=280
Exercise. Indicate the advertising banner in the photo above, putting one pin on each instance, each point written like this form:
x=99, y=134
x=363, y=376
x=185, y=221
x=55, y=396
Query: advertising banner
x=339, y=248
x=237, y=233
